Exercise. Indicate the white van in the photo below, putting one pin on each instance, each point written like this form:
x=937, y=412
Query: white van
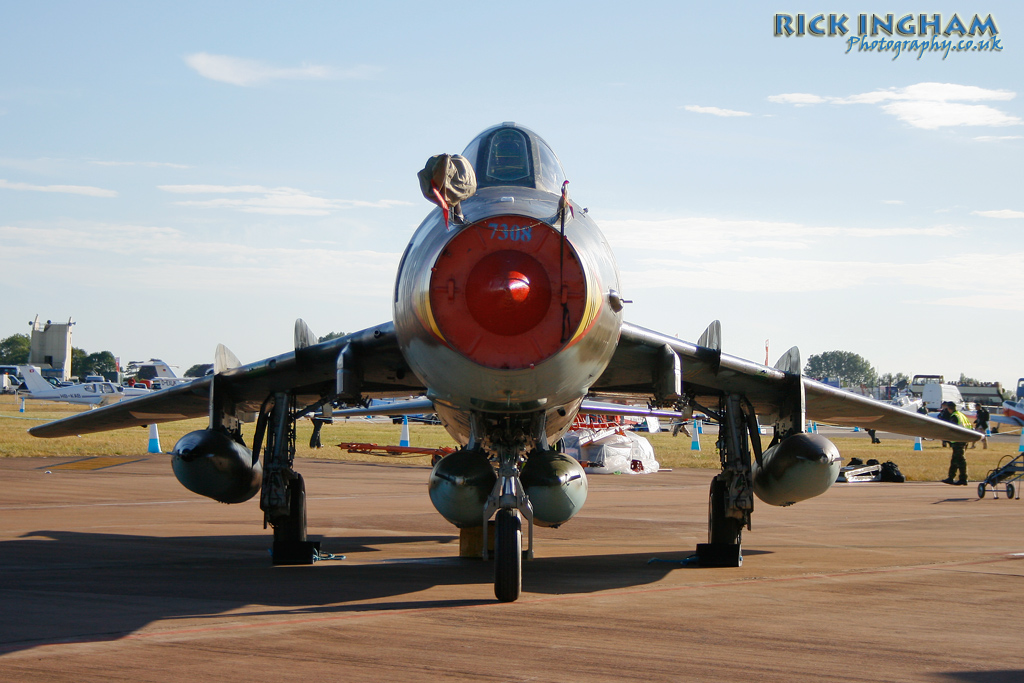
x=935, y=394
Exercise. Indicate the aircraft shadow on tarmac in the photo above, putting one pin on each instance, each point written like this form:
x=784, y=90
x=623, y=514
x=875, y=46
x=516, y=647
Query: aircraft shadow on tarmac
x=1007, y=676
x=72, y=587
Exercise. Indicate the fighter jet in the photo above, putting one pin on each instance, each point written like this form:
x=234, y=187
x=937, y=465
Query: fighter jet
x=89, y=393
x=507, y=321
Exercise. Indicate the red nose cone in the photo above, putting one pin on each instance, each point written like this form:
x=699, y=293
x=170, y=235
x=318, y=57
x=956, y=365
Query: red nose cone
x=508, y=292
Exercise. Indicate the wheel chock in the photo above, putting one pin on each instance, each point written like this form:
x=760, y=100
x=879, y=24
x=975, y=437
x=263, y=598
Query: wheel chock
x=295, y=552
x=719, y=555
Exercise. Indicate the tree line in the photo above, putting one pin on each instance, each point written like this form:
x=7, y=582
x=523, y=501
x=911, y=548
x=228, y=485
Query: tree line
x=852, y=369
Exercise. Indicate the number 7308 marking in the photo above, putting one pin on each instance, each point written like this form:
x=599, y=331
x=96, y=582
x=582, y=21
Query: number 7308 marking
x=513, y=233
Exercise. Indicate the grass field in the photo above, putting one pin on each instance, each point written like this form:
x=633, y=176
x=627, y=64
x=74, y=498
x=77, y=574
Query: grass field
x=929, y=464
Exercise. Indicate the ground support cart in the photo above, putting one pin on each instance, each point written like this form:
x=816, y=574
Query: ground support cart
x=1001, y=479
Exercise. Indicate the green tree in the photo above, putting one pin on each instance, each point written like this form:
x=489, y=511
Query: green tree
x=891, y=380
x=847, y=367
x=329, y=337
x=102, y=363
x=84, y=363
x=198, y=370
x=14, y=350
x=79, y=364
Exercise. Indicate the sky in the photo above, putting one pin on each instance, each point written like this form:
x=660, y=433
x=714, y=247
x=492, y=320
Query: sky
x=173, y=177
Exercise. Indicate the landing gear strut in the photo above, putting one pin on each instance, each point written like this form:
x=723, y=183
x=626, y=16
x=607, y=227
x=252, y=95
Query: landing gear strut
x=731, y=499
x=510, y=505
x=283, y=497
x=506, y=502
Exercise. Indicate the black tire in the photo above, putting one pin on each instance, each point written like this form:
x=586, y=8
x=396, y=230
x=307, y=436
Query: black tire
x=981, y=490
x=508, y=556
x=1010, y=490
x=292, y=528
x=721, y=529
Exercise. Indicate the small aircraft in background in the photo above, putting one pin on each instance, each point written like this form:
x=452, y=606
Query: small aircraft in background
x=89, y=393
x=1013, y=414
x=154, y=374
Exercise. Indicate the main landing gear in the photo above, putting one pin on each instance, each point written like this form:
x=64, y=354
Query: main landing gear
x=731, y=499
x=283, y=496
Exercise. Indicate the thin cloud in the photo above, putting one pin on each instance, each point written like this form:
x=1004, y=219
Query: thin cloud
x=721, y=236
x=779, y=274
x=929, y=92
x=797, y=98
x=1001, y=213
x=893, y=201
x=997, y=138
x=63, y=189
x=931, y=115
x=996, y=301
x=281, y=201
x=146, y=164
x=220, y=189
x=928, y=106
x=251, y=72
x=715, y=111
x=154, y=255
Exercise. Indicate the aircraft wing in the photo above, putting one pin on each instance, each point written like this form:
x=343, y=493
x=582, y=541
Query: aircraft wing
x=707, y=374
x=371, y=354
x=1005, y=420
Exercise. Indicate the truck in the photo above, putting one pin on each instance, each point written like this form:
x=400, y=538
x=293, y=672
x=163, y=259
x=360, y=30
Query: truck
x=981, y=393
x=918, y=383
x=935, y=394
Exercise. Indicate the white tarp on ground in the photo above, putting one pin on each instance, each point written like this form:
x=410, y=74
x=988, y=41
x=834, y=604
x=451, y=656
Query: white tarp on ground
x=626, y=453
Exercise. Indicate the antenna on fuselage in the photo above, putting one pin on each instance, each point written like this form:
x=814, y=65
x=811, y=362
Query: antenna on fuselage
x=564, y=207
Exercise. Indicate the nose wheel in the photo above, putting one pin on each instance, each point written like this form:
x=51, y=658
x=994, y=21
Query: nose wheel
x=508, y=500
x=508, y=555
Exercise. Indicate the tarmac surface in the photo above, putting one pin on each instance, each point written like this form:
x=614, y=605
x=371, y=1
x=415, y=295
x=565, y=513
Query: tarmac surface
x=112, y=571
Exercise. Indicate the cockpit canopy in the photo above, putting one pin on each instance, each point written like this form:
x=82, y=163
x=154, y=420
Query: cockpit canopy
x=513, y=155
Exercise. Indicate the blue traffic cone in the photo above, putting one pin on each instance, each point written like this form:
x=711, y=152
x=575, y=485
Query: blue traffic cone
x=917, y=444
x=695, y=441
x=154, y=439
x=405, y=431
